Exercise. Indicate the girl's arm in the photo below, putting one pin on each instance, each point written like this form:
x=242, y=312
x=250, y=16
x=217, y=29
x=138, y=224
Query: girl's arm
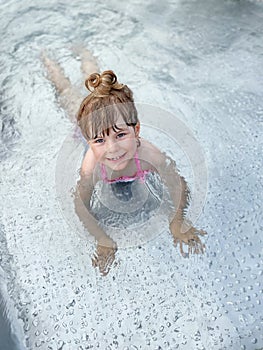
x=182, y=230
x=82, y=206
x=106, y=247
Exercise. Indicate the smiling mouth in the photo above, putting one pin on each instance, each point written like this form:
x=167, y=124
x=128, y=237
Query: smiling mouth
x=114, y=159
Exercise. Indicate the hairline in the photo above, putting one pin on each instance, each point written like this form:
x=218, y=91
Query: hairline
x=114, y=127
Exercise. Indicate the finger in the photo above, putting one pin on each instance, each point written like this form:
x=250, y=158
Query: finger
x=106, y=264
x=94, y=262
x=202, y=232
x=102, y=269
x=197, y=250
x=106, y=267
x=194, y=245
x=181, y=249
x=197, y=240
x=104, y=272
x=109, y=262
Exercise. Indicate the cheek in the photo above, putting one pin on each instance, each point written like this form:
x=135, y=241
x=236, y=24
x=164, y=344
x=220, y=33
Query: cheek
x=130, y=144
x=133, y=146
x=98, y=152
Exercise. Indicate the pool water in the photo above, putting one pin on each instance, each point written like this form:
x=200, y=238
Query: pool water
x=199, y=60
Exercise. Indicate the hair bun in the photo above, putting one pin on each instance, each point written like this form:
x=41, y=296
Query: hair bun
x=93, y=81
x=102, y=84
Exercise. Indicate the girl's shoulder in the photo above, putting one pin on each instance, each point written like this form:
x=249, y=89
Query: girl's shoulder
x=150, y=153
x=88, y=164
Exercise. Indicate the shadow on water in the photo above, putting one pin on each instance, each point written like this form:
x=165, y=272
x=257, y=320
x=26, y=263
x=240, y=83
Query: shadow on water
x=8, y=340
x=10, y=327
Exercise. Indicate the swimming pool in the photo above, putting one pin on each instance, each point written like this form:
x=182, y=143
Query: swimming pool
x=197, y=59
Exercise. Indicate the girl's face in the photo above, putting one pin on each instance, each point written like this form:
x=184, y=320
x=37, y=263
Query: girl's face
x=117, y=149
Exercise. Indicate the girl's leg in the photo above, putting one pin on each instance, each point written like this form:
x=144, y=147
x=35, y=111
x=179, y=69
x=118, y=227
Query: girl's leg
x=89, y=63
x=69, y=97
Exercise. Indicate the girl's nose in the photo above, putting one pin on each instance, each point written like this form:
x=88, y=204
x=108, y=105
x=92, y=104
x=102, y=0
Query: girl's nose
x=112, y=146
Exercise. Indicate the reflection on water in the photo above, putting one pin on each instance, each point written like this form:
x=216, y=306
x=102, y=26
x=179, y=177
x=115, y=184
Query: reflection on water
x=202, y=60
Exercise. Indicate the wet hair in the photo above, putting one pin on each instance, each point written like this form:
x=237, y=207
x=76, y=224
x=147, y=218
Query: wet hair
x=108, y=102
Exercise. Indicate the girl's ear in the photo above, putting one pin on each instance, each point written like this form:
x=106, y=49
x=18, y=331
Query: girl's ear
x=137, y=129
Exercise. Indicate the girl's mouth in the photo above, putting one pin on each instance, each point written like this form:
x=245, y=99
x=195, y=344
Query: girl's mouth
x=115, y=159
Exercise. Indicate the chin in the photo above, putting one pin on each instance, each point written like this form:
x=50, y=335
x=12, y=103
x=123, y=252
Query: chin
x=118, y=166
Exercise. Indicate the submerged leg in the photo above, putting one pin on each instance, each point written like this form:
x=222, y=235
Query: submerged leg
x=89, y=63
x=68, y=96
x=55, y=74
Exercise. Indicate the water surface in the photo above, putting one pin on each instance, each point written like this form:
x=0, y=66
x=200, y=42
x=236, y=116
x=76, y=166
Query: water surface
x=198, y=59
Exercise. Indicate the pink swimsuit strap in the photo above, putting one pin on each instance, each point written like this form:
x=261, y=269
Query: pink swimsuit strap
x=139, y=175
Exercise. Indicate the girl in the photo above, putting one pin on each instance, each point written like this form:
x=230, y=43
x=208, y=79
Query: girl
x=119, y=157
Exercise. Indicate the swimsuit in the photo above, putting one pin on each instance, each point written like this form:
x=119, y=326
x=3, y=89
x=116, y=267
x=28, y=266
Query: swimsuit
x=139, y=175
x=126, y=200
x=123, y=204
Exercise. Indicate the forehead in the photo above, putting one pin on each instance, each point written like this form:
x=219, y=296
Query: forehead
x=120, y=123
x=110, y=126
x=112, y=129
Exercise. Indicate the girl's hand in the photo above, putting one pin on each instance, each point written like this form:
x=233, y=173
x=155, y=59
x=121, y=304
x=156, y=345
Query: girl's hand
x=104, y=257
x=187, y=235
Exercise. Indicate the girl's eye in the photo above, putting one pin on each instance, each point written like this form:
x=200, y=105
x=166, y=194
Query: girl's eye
x=99, y=141
x=120, y=135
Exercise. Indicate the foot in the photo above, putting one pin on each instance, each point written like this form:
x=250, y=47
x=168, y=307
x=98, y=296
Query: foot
x=89, y=63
